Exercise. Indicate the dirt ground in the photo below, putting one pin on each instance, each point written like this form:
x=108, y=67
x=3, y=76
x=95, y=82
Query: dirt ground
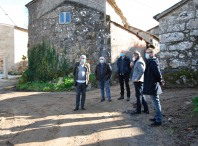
x=48, y=119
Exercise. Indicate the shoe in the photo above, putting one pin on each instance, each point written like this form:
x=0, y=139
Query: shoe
x=146, y=112
x=109, y=100
x=128, y=99
x=121, y=97
x=76, y=109
x=153, y=119
x=82, y=108
x=102, y=99
x=155, y=124
x=135, y=112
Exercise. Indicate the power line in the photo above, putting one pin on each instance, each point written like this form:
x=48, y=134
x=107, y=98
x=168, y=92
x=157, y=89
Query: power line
x=7, y=15
x=146, y=5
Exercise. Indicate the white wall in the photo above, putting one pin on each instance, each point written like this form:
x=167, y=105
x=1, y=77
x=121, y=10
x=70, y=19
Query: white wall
x=7, y=45
x=20, y=44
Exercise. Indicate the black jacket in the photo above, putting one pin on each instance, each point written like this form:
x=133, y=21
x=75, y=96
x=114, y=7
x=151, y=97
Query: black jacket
x=152, y=78
x=127, y=68
x=106, y=71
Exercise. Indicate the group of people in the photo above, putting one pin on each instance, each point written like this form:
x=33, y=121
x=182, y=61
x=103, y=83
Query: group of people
x=146, y=77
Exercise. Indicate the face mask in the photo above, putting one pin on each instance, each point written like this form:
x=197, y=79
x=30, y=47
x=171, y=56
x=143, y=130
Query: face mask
x=134, y=59
x=101, y=61
x=147, y=56
x=121, y=54
x=83, y=60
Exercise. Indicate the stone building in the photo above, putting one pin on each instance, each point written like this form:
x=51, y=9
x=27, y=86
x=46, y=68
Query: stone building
x=149, y=37
x=13, y=44
x=154, y=30
x=82, y=27
x=178, y=33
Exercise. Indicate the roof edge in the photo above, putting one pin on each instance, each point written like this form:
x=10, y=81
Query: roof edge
x=162, y=14
x=28, y=4
x=152, y=28
x=10, y=25
x=20, y=28
x=132, y=33
x=146, y=32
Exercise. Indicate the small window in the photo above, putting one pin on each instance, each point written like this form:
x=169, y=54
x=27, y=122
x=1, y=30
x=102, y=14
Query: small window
x=64, y=17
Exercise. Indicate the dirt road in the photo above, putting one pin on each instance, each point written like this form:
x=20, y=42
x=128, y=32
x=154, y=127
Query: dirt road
x=48, y=119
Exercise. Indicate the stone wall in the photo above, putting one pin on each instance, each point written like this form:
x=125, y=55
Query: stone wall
x=154, y=30
x=122, y=39
x=40, y=7
x=86, y=34
x=178, y=33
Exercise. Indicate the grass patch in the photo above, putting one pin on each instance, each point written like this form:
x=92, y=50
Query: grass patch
x=171, y=131
x=195, y=101
x=67, y=83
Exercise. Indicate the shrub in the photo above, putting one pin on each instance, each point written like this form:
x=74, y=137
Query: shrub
x=45, y=63
x=93, y=80
x=195, y=101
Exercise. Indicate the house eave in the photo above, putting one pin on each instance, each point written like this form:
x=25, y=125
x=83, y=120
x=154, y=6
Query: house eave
x=141, y=38
x=22, y=29
x=28, y=4
x=162, y=14
x=152, y=28
x=146, y=32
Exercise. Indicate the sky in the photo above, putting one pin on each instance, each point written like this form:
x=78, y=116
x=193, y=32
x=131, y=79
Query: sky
x=139, y=13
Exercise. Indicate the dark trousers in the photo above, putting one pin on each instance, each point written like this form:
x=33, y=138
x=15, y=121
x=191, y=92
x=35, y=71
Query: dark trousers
x=141, y=100
x=124, y=77
x=81, y=87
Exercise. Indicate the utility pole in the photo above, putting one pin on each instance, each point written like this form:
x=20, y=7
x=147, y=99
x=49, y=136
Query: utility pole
x=5, y=70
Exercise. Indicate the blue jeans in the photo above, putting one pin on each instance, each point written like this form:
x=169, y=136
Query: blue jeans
x=141, y=100
x=156, y=103
x=81, y=87
x=107, y=86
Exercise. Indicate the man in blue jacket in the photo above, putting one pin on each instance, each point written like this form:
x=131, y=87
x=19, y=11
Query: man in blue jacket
x=152, y=84
x=124, y=70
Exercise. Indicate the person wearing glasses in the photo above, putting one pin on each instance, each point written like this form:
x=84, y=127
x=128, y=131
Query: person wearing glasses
x=103, y=74
x=81, y=74
x=152, y=84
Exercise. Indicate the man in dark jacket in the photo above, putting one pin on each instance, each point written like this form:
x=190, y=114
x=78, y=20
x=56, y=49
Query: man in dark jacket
x=124, y=70
x=152, y=84
x=81, y=74
x=103, y=74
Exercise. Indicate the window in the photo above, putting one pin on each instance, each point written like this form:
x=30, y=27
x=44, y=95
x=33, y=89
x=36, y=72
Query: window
x=64, y=17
